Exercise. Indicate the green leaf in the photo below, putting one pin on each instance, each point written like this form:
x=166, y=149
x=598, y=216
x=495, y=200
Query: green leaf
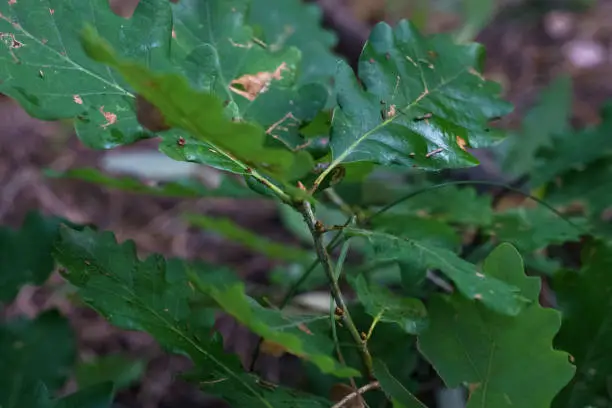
x=447, y=203
x=584, y=299
x=34, y=351
x=224, y=58
x=154, y=296
x=231, y=231
x=292, y=334
x=401, y=397
x=118, y=369
x=383, y=305
x=533, y=229
x=187, y=188
x=575, y=149
x=476, y=15
x=25, y=254
x=200, y=114
x=296, y=23
x=426, y=230
x=590, y=187
x=424, y=99
x=548, y=118
x=275, y=396
x=506, y=361
x=96, y=396
x=492, y=292
x=45, y=69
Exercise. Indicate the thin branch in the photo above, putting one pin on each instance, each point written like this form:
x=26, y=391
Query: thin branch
x=358, y=393
x=317, y=234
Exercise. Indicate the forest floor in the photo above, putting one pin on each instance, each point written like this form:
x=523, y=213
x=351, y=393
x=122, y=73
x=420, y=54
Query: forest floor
x=523, y=54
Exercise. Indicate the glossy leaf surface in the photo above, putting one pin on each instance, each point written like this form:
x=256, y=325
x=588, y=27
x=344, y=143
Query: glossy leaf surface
x=45, y=69
x=423, y=102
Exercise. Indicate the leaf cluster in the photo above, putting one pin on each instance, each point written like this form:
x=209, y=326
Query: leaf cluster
x=419, y=274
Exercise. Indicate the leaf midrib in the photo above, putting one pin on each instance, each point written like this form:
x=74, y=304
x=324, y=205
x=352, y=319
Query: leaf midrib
x=423, y=95
x=172, y=327
x=65, y=58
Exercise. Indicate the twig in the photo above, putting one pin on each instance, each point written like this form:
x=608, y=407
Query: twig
x=328, y=267
x=358, y=393
x=294, y=288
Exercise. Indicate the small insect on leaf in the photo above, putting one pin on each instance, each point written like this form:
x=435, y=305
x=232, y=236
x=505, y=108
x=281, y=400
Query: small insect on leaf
x=181, y=141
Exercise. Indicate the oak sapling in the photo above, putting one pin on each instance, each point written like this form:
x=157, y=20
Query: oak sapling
x=350, y=163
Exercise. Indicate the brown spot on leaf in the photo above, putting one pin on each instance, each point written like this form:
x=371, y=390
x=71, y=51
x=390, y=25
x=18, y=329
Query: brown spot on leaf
x=149, y=116
x=10, y=40
x=473, y=387
x=461, y=142
x=51, y=11
x=253, y=85
x=303, y=328
x=283, y=125
x=272, y=348
x=110, y=118
x=77, y=99
x=391, y=112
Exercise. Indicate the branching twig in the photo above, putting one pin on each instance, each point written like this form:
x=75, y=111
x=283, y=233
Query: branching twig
x=358, y=393
x=328, y=267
